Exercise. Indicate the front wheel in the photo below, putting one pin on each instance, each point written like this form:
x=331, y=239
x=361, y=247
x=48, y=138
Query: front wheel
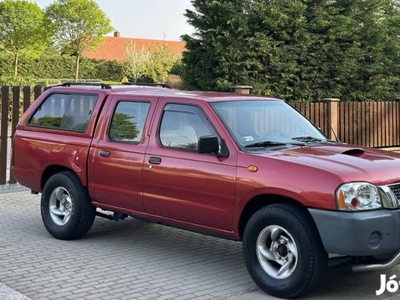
x=283, y=251
x=67, y=212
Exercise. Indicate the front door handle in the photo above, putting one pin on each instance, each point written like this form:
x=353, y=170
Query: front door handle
x=105, y=153
x=155, y=160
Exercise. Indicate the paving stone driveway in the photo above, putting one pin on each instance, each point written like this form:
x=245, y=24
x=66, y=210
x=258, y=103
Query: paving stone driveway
x=133, y=259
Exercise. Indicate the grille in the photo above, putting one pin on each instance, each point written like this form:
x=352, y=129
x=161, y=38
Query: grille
x=395, y=188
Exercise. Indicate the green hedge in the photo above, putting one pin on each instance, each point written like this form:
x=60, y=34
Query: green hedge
x=58, y=67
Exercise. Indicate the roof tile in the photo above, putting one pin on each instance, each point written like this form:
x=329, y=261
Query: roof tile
x=113, y=48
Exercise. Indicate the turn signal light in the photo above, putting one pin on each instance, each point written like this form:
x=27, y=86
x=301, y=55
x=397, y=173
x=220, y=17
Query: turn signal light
x=252, y=168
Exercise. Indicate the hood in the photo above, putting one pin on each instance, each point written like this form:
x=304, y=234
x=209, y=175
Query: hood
x=351, y=162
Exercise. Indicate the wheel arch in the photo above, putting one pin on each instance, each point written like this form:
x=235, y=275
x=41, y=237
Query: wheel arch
x=260, y=201
x=54, y=169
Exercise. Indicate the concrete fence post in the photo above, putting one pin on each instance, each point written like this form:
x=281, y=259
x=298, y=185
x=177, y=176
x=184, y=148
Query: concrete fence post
x=332, y=114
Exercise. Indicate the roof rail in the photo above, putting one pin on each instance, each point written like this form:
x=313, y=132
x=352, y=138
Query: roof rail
x=148, y=84
x=101, y=85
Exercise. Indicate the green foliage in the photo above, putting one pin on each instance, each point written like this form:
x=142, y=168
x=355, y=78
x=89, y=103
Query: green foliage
x=50, y=69
x=123, y=128
x=79, y=25
x=177, y=68
x=136, y=63
x=47, y=121
x=299, y=49
x=226, y=50
x=161, y=62
x=153, y=64
x=104, y=69
x=63, y=122
x=17, y=81
x=24, y=30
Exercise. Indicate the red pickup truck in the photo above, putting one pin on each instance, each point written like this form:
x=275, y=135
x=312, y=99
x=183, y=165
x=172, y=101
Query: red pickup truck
x=242, y=167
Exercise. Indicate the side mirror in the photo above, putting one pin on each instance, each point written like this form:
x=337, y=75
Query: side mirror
x=208, y=144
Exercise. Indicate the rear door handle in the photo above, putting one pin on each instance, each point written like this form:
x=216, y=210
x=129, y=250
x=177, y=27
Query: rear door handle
x=155, y=160
x=105, y=153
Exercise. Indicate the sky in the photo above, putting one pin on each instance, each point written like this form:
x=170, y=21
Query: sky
x=147, y=19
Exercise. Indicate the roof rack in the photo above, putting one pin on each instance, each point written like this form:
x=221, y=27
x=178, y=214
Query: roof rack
x=148, y=84
x=107, y=86
x=101, y=85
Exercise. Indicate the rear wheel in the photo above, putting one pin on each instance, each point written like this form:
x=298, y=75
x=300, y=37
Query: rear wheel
x=67, y=212
x=283, y=251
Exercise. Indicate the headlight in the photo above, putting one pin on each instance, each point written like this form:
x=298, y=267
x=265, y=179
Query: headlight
x=356, y=196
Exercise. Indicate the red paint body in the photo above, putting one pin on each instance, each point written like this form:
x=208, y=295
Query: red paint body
x=188, y=189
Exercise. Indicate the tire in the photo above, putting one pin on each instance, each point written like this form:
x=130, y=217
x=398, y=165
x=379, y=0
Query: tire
x=67, y=212
x=283, y=252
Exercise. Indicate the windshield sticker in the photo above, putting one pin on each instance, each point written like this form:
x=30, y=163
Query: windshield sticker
x=248, y=138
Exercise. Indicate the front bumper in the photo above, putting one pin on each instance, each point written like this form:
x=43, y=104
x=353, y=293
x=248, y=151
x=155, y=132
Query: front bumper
x=366, y=233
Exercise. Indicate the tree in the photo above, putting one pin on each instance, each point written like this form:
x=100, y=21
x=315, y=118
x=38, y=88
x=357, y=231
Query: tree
x=136, y=62
x=351, y=49
x=79, y=25
x=153, y=63
x=214, y=52
x=299, y=49
x=161, y=62
x=24, y=30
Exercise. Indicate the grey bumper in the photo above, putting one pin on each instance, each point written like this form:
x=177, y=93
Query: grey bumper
x=359, y=233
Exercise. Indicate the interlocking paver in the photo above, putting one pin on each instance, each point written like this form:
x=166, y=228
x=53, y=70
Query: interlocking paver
x=136, y=260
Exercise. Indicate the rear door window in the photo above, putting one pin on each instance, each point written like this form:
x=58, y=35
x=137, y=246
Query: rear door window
x=128, y=121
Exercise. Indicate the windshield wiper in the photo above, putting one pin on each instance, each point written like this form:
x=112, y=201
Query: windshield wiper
x=271, y=143
x=310, y=139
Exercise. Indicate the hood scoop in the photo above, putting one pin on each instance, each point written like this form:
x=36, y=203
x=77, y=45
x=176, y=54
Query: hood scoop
x=358, y=152
x=342, y=149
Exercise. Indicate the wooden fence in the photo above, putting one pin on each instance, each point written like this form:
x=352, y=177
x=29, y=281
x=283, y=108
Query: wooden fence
x=370, y=124
x=13, y=102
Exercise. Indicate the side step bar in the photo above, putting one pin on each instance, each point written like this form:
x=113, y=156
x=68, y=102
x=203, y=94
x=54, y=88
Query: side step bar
x=114, y=217
x=376, y=267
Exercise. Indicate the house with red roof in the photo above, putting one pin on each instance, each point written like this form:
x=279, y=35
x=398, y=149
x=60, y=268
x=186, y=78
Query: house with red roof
x=114, y=47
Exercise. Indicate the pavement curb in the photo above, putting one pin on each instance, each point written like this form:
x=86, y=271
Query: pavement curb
x=10, y=294
x=12, y=188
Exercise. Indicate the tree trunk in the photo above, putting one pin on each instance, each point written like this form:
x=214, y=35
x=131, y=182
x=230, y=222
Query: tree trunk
x=77, y=67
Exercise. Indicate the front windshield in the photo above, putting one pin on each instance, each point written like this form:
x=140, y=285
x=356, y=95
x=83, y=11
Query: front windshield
x=262, y=123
